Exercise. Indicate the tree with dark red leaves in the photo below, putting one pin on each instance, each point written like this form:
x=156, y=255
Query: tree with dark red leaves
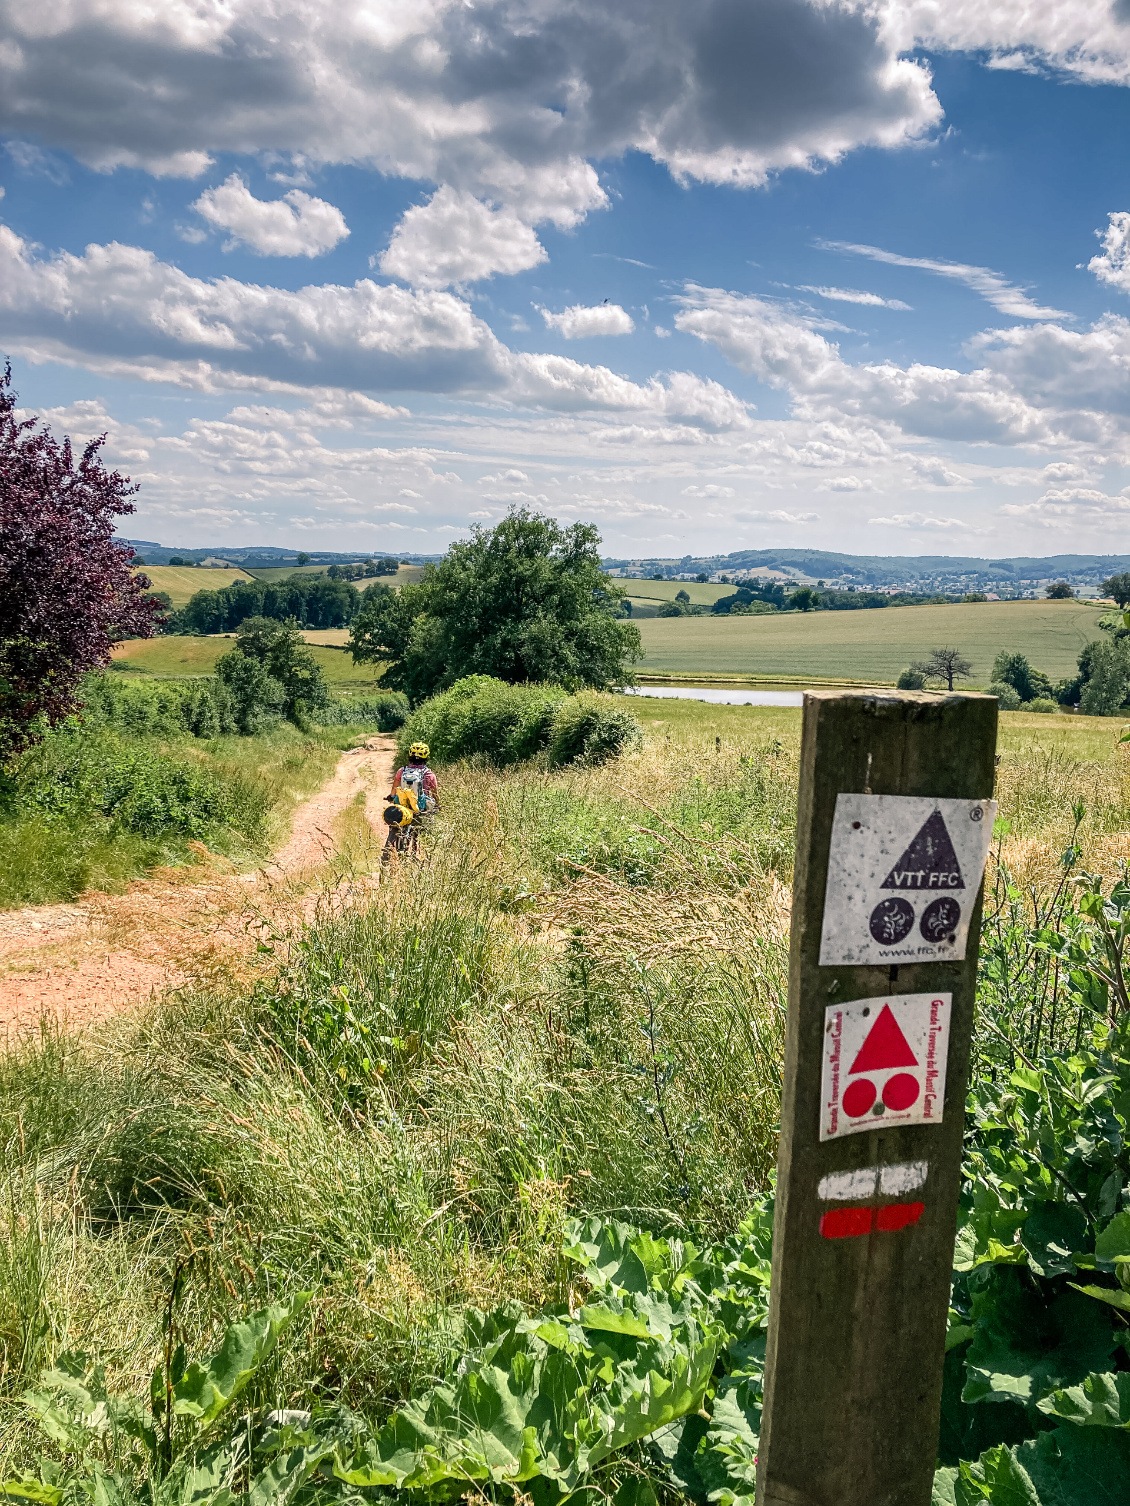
x=66, y=588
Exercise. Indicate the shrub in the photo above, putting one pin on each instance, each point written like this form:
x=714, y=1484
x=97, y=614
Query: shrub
x=74, y=776
x=588, y=730
x=1007, y=697
x=1105, y=670
x=257, y=696
x=483, y=716
x=1014, y=669
x=911, y=679
x=389, y=710
x=158, y=708
x=1042, y=703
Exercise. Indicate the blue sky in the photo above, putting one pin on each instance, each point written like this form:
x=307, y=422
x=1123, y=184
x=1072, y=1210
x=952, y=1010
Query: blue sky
x=812, y=272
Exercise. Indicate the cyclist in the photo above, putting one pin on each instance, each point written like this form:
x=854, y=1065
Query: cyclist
x=415, y=786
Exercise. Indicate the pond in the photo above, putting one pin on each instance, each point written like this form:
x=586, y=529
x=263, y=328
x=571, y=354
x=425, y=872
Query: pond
x=720, y=697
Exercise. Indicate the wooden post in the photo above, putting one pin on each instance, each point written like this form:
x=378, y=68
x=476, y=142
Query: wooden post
x=870, y=1153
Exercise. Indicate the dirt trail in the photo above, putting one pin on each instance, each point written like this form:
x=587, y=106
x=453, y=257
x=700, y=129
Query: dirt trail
x=83, y=961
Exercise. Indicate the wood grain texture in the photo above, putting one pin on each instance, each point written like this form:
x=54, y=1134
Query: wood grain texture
x=857, y=1325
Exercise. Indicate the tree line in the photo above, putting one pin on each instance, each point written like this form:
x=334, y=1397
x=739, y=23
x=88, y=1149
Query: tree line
x=312, y=601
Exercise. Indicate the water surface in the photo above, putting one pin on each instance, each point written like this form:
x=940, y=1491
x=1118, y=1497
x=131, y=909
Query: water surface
x=725, y=697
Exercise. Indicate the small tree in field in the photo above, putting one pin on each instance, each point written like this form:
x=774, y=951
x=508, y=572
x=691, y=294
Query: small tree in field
x=67, y=589
x=1060, y=591
x=1118, y=587
x=946, y=664
x=524, y=601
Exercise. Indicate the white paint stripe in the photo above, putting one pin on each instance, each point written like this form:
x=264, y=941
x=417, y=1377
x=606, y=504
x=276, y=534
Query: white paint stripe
x=904, y=1178
x=847, y=1186
x=850, y=1186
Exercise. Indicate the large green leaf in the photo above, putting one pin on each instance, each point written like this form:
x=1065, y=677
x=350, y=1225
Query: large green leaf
x=1026, y=1346
x=1079, y=1466
x=1112, y=1296
x=998, y=1477
x=1102, y=1400
x=1051, y=1234
x=526, y=1407
x=945, y=1481
x=1114, y=1241
x=205, y=1390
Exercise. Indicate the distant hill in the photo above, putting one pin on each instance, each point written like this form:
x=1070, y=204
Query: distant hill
x=265, y=556
x=933, y=572
x=914, y=572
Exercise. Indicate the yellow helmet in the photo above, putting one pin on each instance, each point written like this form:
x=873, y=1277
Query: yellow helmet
x=419, y=750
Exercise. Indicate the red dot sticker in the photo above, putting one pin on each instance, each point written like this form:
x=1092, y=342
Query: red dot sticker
x=845, y=1223
x=900, y=1092
x=859, y=1097
x=898, y=1216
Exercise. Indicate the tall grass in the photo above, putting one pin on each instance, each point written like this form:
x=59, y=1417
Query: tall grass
x=93, y=807
x=574, y=1004
x=401, y=1113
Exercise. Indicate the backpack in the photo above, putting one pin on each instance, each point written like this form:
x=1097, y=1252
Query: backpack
x=412, y=780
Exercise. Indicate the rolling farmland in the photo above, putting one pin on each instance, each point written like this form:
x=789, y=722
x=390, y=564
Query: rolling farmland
x=179, y=657
x=870, y=645
x=183, y=581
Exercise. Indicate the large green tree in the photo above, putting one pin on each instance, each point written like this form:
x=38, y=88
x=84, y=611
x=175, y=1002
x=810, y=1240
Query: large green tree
x=525, y=601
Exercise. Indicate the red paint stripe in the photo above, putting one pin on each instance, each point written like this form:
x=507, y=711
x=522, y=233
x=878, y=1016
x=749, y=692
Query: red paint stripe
x=849, y=1223
x=898, y=1216
x=845, y=1223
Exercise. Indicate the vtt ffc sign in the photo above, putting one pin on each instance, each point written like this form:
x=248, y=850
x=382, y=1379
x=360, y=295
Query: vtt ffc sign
x=903, y=875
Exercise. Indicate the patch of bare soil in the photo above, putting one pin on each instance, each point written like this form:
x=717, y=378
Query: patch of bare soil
x=82, y=962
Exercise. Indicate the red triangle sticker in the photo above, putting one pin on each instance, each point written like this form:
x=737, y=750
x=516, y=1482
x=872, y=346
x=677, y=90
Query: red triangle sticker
x=885, y=1046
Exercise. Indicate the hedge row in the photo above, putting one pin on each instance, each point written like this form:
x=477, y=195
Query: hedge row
x=487, y=718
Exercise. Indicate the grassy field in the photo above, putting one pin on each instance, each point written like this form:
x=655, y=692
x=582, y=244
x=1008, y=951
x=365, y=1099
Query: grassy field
x=656, y=592
x=197, y=656
x=182, y=581
x=744, y=727
x=874, y=644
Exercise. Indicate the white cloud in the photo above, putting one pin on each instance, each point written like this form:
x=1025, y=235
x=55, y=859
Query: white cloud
x=1081, y=375
x=855, y=295
x=455, y=238
x=1067, y=507
x=710, y=490
x=295, y=225
x=778, y=515
x=1113, y=264
x=922, y=521
x=936, y=472
x=664, y=334
x=501, y=100
x=512, y=475
x=990, y=285
x=119, y=310
x=846, y=484
x=1079, y=38
x=1038, y=385
x=580, y=322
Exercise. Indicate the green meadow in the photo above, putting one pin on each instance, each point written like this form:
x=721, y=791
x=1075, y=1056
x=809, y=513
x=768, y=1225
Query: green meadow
x=180, y=582
x=868, y=645
x=180, y=657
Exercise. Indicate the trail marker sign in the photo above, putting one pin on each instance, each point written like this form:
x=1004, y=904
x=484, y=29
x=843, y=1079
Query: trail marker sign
x=884, y=1060
x=903, y=876
x=893, y=826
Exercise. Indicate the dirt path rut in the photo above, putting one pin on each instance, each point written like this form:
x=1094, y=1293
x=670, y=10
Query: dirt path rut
x=84, y=961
